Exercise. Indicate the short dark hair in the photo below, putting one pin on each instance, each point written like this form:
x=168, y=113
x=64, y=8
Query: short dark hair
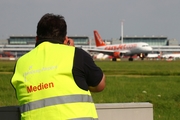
x=52, y=26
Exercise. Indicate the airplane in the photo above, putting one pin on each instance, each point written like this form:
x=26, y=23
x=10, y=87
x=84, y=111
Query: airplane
x=119, y=50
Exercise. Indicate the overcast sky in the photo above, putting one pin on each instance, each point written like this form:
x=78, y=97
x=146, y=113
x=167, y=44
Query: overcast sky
x=141, y=17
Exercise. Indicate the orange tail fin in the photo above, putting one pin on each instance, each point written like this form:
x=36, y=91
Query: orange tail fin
x=98, y=39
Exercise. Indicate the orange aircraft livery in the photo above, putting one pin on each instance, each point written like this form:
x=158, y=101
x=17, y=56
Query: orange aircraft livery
x=120, y=47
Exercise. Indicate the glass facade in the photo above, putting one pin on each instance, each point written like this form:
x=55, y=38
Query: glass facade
x=21, y=40
x=26, y=40
x=152, y=41
x=80, y=40
x=84, y=40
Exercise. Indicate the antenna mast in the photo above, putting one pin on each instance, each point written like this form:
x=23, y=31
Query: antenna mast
x=121, y=31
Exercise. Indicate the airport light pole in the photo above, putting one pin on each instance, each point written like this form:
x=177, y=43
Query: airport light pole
x=122, y=31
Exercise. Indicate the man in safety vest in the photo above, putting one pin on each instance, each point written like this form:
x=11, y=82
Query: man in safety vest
x=54, y=80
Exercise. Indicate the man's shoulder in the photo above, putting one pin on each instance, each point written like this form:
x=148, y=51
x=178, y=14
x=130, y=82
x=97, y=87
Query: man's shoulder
x=81, y=51
x=82, y=55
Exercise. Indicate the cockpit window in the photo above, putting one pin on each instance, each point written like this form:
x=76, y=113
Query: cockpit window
x=145, y=45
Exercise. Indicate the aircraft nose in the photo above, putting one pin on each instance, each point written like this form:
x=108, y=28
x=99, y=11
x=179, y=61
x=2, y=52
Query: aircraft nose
x=150, y=49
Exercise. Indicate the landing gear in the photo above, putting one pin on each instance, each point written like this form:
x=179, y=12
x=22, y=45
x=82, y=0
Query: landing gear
x=142, y=58
x=113, y=59
x=130, y=59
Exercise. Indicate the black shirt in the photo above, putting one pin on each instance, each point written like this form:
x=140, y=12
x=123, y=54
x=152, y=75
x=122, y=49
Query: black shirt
x=85, y=71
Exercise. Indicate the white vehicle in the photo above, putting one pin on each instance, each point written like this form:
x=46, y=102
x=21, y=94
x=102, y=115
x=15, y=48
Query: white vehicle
x=174, y=56
x=153, y=56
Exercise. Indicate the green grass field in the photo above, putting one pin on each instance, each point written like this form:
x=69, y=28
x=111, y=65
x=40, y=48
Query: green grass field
x=156, y=82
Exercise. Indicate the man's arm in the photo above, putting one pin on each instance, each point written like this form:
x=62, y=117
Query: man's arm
x=96, y=77
x=100, y=87
x=87, y=75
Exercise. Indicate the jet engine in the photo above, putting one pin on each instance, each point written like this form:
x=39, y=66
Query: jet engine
x=116, y=54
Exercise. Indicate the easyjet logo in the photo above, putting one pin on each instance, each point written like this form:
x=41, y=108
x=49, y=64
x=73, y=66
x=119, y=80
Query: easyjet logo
x=120, y=47
x=41, y=86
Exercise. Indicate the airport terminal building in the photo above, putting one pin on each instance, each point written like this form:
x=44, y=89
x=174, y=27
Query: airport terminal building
x=85, y=40
x=19, y=45
x=30, y=40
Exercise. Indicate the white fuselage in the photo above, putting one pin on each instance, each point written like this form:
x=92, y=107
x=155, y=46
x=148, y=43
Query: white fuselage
x=128, y=49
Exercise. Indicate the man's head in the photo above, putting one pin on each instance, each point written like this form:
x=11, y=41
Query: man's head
x=51, y=27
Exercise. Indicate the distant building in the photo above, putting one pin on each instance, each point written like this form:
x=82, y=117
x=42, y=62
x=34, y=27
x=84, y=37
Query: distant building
x=173, y=42
x=152, y=41
x=29, y=40
x=3, y=42
x=21, y=40
x=19, y=45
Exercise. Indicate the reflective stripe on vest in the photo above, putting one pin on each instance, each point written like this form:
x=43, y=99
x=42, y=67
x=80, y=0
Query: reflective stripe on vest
x=87, y=118
x=55, y=101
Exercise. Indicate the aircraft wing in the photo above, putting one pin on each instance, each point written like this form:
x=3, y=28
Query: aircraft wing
x=109, y=52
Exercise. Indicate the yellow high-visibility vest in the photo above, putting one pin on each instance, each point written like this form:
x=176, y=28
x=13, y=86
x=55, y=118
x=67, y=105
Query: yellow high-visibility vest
x=45, y=86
